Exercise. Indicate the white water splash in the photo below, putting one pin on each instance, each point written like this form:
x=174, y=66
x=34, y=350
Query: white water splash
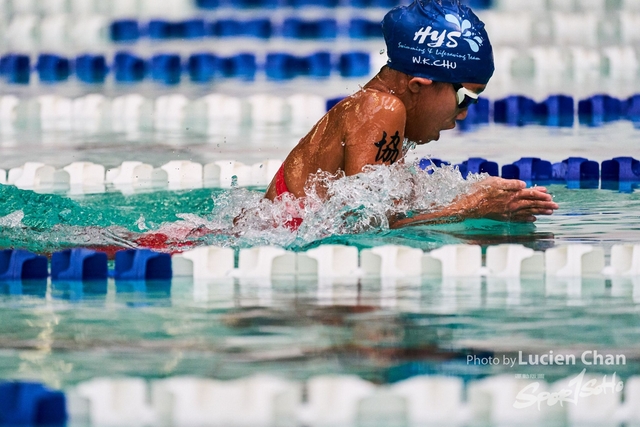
x=335, y=205
x=141, y=224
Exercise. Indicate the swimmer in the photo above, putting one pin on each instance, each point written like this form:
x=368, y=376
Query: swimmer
x=440, y=61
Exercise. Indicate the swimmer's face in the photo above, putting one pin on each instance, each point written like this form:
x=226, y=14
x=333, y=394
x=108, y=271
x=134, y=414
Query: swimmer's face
x=436, y=109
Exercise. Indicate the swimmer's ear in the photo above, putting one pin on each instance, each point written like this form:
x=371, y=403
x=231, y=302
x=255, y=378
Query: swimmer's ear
x=417, y=82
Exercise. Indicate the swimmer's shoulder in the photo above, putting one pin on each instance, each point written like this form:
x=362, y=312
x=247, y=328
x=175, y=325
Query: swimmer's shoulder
x=370, y=104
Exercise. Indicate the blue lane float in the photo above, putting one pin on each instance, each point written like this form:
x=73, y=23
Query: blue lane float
x=91, y=68
x=16, y=68
x=205, y=67
x=166, y=68
x=142, y=265
x=319, y=3
x=515, y=110
x=31, y=404
x=577, y=172
x=633, y=110
x=477, y=114
x=125, y=30
x=599, y=110
x=556, y=111
x=360, y=28
x=324, y=29
x=478, y=165
x=79, y=264
x=386, y=4
x=268, y=4
x=249, y=4
x=191, y=29
x=281, y=66
x=529, y=169
x=284, y=66
x=621, y=173
x=317, y=65
x=53, y=68
x=202, y=67
x=161, y=30
x=242, y=66
x=479, y=4
x=22, y=265
x=208, y=4
x=227, y=28
x=354, y=64
x=129, y=68
x=260, y=28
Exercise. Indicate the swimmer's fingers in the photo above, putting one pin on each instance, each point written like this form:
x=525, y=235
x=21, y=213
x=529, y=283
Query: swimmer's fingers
x=511, y=184
x=541, y=205
x=540, y=189
x=534, y=194
x=536, y=212
x=529, y=215
x=497, y=183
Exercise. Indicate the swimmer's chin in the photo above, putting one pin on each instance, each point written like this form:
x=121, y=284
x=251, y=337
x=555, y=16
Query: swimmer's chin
x=428, y=140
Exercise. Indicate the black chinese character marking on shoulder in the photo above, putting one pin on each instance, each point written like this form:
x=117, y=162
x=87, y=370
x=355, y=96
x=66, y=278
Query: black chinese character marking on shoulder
x=388, y=151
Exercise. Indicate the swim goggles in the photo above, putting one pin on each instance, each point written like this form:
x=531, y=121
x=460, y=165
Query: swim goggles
x=465, y=96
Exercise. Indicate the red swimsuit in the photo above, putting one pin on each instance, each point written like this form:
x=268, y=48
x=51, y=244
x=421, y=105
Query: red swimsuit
x=281, y=188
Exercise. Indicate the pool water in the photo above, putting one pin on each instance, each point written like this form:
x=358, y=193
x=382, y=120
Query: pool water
x=383, y=331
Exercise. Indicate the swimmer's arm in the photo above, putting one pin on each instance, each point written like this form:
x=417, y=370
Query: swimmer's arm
x=376, y=138
x=494, y=198
x=431, y=218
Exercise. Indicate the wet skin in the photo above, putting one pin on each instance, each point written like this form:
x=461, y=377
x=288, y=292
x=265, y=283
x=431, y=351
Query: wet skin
x=368, y=127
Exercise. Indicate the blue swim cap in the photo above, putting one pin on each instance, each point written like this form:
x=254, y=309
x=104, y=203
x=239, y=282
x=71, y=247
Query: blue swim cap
x=441, y=40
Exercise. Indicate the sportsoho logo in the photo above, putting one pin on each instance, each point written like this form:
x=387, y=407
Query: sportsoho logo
x=438, y=38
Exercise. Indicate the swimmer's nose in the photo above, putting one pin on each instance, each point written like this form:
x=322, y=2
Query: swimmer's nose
x=462, y=114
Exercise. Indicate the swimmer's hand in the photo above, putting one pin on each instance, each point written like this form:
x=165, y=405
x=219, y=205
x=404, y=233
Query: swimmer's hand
x=493, y=198
x=507, y=200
